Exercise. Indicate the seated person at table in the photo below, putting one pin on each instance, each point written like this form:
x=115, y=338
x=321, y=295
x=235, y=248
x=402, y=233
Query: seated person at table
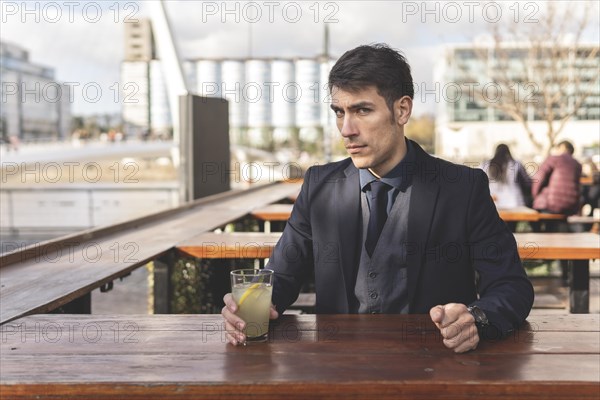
x=510, y=186
x=392, y=229
x=555, y=186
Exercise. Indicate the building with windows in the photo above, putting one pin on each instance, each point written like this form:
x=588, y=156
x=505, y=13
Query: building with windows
x=34, y=105
x=470, y=79
x=145, y=103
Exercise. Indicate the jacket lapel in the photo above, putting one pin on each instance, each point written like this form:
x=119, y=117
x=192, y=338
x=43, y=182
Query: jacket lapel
x=423, y=200
x=349, y=217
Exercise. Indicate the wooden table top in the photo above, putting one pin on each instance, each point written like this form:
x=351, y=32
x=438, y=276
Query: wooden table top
x=548, y=246
x=273, y=212
x=282, y=212
x=527, y=214
x=231, y=245
x=338, y=356
x=558, y=246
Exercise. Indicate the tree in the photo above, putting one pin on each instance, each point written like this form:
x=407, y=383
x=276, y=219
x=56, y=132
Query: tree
x=540, y=68
x=422, y=130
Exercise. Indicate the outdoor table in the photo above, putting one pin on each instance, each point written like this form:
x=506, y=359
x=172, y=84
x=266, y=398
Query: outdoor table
x=527, y=214
x=333, y=356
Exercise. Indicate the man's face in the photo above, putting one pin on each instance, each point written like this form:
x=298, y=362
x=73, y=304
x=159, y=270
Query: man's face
x=373, y=137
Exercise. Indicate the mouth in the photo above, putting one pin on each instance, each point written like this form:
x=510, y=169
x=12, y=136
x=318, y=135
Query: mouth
x=355, y=148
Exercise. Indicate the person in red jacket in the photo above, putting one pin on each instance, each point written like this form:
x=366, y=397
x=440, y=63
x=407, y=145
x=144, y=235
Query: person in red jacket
x=555, y=186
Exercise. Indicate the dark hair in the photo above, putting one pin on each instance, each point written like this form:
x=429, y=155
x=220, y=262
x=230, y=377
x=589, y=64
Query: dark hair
x=374, y=65
x=567, y=145
x=497, y=169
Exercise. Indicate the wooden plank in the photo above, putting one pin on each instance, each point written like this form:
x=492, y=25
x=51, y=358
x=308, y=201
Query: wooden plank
x=53, y=274
x=527, y=214
x=343, y=322
x=260, y=389
x=230, y=245
x=336, y=356
x=558, y=246
x=273, y=212
x=282, y=212
x=550, y=246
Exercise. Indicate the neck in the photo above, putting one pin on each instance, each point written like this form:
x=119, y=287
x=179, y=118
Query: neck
x=382, y=170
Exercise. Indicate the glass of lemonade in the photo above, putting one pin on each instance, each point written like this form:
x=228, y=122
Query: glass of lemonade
x=251, y=289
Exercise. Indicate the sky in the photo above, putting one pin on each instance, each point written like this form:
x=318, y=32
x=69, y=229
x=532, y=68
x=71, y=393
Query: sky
x=83, y=40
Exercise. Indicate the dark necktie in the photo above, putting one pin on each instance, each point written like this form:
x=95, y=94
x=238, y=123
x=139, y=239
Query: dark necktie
x=379, y=196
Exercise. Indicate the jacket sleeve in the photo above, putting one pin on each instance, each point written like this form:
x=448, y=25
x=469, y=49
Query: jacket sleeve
x=505, y=292
x=292, y=259
x=540, y=180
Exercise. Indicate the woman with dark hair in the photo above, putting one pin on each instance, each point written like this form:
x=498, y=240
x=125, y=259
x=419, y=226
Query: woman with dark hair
x=509, y=183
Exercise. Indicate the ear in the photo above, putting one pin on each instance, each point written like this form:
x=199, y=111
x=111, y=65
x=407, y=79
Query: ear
x=402, y=110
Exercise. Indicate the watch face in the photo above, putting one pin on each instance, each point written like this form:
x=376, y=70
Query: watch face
x=479, y=315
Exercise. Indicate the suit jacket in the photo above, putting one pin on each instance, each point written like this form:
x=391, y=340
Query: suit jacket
x=459, y=250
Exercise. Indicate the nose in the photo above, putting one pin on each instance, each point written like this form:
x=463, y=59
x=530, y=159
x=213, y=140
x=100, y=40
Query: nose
x=348, y=127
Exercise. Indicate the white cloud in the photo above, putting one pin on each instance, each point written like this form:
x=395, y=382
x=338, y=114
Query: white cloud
x=82, y=51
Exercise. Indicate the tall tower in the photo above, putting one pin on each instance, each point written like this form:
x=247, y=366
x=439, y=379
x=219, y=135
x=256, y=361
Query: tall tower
x=139, y=41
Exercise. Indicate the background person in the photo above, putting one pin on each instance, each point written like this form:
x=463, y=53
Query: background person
x=555, y=186
x=510, y=186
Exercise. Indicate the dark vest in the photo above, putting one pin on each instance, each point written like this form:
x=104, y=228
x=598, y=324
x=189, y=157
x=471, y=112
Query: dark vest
x=381, y=281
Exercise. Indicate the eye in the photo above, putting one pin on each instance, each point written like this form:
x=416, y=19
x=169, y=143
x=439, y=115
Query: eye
x=339, y=113
x=364, y=111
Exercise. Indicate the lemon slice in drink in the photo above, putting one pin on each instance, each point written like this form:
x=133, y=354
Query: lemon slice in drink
x=248, y=291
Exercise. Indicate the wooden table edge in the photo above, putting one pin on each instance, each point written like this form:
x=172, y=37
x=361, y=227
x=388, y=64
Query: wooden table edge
x=363, y=389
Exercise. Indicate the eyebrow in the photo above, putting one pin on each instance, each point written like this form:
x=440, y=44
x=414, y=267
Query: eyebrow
x=353, y=107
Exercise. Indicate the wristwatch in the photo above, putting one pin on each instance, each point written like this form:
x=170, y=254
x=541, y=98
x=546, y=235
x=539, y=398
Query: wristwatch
x=481, y=320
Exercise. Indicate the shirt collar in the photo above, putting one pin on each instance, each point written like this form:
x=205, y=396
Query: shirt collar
x=399, y=177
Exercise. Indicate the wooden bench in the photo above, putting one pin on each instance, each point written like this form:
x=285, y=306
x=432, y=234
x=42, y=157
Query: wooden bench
x=578, y=248
x=272, y=213
x=527, y=214
x=282, y=212
x=240, y=245
x=46, y=276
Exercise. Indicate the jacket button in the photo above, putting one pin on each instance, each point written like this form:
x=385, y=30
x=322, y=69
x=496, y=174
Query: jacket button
x=372, y=275
x=373, y=295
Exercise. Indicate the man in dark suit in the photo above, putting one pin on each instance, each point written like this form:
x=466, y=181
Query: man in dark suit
x=392, y=229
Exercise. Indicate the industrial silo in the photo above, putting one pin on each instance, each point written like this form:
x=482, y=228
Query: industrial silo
x=233, y=77
x=258, y=93
x=208, y=78
x=308, y=76
x=286, y=96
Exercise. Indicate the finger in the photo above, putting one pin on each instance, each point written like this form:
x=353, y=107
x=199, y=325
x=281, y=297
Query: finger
x=230, y=302
x=437, y=314
x=452, y=313
x=235, y=332
x=464, y=323
x=469, y=344
x=231, y=339
x=273, y=314
x=452, y=331
x=233, y=320
x=464, y=340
